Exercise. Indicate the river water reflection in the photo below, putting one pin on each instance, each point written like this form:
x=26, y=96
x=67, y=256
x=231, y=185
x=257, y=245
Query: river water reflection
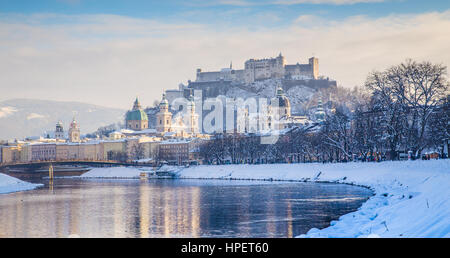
x=175, y=208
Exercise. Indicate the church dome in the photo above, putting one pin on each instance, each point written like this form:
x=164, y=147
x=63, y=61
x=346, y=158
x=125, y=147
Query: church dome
x=137, y=115
x=74, y=124
x=283, y=101
x=164, y=102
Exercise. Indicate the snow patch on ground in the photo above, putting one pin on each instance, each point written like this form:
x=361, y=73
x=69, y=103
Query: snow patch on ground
x=10, y=184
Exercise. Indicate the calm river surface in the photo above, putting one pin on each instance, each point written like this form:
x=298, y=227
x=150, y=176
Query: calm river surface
x=174, y=208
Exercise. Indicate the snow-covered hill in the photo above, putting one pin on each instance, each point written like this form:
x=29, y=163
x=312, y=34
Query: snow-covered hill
x=21, y=118
x=299, y=95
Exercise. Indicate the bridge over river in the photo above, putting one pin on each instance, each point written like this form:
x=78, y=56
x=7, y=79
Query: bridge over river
x=40, y=166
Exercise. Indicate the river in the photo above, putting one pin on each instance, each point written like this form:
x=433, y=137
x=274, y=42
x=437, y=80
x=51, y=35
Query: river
x=174, y=208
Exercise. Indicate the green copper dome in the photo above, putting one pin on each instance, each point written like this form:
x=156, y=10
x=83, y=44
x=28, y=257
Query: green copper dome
x=137, y=115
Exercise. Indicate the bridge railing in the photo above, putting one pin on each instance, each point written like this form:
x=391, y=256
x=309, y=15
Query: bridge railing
x=69, y=161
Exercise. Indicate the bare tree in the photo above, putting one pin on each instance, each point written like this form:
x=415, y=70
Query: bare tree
x=337, y=134
x=439, y=128
x=407, y=95
x=387, y=111
x=138, y=151
x=120, y=156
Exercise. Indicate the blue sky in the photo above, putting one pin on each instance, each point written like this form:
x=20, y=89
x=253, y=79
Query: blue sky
x=226, y=12
x=108, y=52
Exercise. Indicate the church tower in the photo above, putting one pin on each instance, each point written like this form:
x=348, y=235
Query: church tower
x=284, y=105
x=136, y=105
x=280, y=109
x=74, y=131
x=320, y=113
x=193, y=117
x=314, y=65
x=163, y=117
x=59, y=132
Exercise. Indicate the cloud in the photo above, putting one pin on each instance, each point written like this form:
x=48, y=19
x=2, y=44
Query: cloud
x=308, y=19
x=7, y=111
x=35, y=116
x=109, y=59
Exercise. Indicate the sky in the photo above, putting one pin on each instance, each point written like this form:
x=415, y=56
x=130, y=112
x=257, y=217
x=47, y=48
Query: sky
x=107, y=52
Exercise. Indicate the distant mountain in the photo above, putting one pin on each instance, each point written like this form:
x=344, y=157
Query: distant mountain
x=20, y=118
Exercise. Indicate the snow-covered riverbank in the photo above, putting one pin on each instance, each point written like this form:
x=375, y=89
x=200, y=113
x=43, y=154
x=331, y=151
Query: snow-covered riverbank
x=411, y=197
x=10, y=184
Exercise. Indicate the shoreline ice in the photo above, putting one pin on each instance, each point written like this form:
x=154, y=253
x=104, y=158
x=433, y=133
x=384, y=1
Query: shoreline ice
x=10, y=184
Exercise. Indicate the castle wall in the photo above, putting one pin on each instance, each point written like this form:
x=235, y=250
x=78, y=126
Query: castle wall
x=226, y=74
x=298, y=71
x=264, y=69
x=171, y=95
x=208, y=76
x=211, y=89
x=260, y=69
x=314, y=84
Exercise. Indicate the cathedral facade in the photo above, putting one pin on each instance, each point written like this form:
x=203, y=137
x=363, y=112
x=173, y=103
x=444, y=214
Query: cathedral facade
x=183, y=123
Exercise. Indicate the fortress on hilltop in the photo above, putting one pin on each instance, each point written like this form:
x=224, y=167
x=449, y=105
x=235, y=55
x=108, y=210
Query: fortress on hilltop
x=261, y=69
x=260, y=77
x=215, y=83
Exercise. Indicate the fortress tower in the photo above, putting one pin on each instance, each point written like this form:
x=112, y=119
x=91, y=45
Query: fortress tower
x=314, y=64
